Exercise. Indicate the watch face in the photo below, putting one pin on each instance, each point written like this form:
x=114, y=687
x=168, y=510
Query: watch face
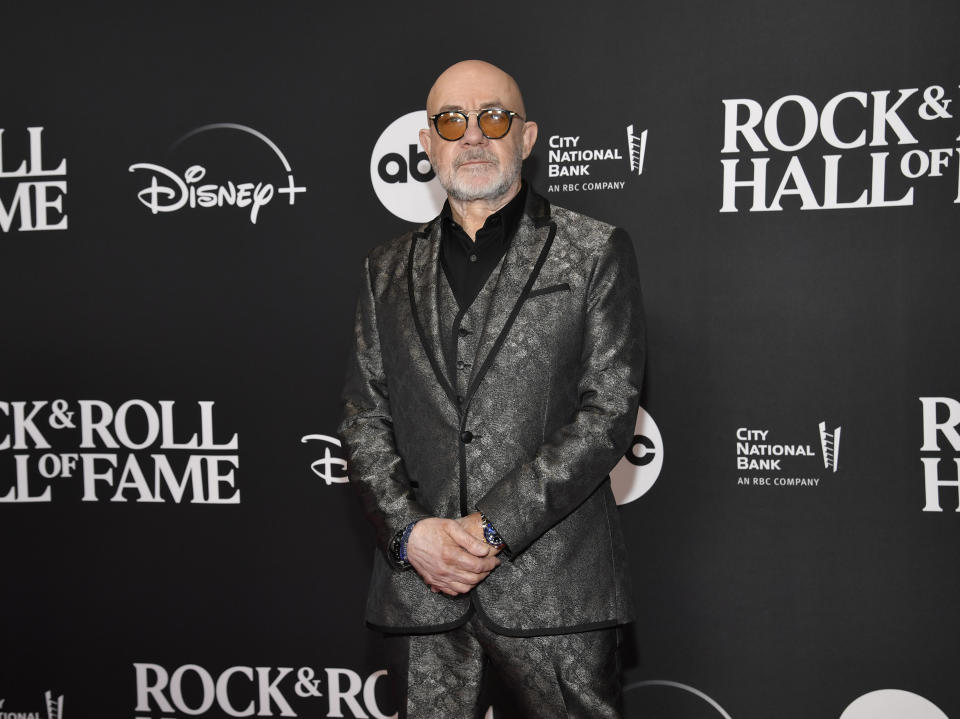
x=490, y=534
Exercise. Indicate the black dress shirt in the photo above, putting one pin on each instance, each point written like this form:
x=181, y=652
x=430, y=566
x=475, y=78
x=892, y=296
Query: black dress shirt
x=468, y=264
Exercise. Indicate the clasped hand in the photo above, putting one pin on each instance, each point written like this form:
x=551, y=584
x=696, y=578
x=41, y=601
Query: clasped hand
x=450, y=555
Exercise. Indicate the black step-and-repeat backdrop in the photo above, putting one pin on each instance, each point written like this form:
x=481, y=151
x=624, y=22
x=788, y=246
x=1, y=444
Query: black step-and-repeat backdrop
x=187, y=191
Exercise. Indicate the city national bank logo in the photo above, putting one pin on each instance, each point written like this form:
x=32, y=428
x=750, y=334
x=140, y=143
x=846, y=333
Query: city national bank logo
x=940, y=451
x=784, y=463
x=141, y=451
x=830, y=446
x=169, y=191
x=640, y=467
x=401, y=174
x=29, y=193
x=863, y=126
x=332, y=466
x=239, y=691
x=596, y=166
x=52, y=705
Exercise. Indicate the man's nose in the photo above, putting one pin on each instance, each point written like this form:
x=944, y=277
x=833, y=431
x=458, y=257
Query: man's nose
x=473, y=135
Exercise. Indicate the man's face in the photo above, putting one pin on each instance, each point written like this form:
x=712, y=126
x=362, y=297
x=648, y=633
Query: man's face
x=474, y=167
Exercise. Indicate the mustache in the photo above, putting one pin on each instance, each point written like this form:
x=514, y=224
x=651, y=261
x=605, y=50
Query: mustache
x=474, y=155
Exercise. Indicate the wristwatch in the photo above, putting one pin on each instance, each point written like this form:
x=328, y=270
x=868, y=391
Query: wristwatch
x=489, y=533
x=398, y=547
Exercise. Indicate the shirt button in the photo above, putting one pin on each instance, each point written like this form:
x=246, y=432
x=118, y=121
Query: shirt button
x=459, y=399
x=473, y=258
x=466, y=436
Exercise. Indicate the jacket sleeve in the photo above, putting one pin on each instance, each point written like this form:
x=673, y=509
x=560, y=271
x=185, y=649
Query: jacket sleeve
x=576, y=458
x=375, y=468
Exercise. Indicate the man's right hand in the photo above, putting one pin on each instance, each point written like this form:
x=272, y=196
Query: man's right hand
x=447, y=557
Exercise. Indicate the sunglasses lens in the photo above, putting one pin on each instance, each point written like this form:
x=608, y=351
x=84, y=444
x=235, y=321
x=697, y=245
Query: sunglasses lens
x=494, y=123
x=451, y=125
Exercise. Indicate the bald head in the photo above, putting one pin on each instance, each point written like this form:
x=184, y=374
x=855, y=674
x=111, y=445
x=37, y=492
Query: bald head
x=476, y=81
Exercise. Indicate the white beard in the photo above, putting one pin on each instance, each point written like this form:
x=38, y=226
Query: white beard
x=468, y=186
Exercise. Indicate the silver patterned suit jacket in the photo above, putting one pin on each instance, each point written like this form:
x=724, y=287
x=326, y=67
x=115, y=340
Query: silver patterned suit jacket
x=549, y=410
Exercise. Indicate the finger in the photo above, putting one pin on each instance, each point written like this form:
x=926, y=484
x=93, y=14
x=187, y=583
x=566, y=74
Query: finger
x=465, y=564
x=476, y=565
x=450, y=573
x=455, y=588
x=444, y=588
x=469, y=578
x=475, y=546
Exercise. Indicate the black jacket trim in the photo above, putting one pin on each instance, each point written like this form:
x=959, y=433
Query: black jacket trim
x=539, y=631
x=501, y=338
x=426, y=629
x=537, y=208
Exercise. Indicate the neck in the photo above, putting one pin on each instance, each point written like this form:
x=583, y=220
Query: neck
x=471, y=215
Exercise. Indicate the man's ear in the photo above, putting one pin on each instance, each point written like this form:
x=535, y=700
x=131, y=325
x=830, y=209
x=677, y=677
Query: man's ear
x=425, y=139
x=529, y=137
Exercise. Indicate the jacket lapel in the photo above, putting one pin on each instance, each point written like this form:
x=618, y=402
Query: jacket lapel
x=423, y=284
x=518, y=273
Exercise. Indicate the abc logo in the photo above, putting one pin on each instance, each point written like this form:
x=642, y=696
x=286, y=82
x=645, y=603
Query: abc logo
x=892, y=704
x=635, y=474
x=401, y=173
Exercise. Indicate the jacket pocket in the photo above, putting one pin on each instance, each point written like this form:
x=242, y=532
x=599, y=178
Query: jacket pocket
x=547, y=290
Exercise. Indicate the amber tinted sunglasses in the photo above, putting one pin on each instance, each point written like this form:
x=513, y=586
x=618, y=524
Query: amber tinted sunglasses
x=494, y=122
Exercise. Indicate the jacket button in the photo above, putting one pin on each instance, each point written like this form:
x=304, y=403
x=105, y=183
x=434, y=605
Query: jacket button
x=466, y=436
x=463, y=332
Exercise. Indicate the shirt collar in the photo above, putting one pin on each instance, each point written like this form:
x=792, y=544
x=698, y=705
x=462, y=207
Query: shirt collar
x=507, y=217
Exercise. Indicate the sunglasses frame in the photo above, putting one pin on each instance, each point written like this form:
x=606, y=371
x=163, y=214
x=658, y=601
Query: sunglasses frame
x=465, y=114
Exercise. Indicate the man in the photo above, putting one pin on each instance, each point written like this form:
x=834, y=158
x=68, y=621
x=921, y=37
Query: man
x=493, y=385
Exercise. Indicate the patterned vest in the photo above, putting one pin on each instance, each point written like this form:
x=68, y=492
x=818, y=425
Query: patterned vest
x=461, y=328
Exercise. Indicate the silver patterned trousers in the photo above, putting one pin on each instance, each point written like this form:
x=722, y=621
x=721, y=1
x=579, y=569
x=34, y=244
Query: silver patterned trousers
x=562, y=675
